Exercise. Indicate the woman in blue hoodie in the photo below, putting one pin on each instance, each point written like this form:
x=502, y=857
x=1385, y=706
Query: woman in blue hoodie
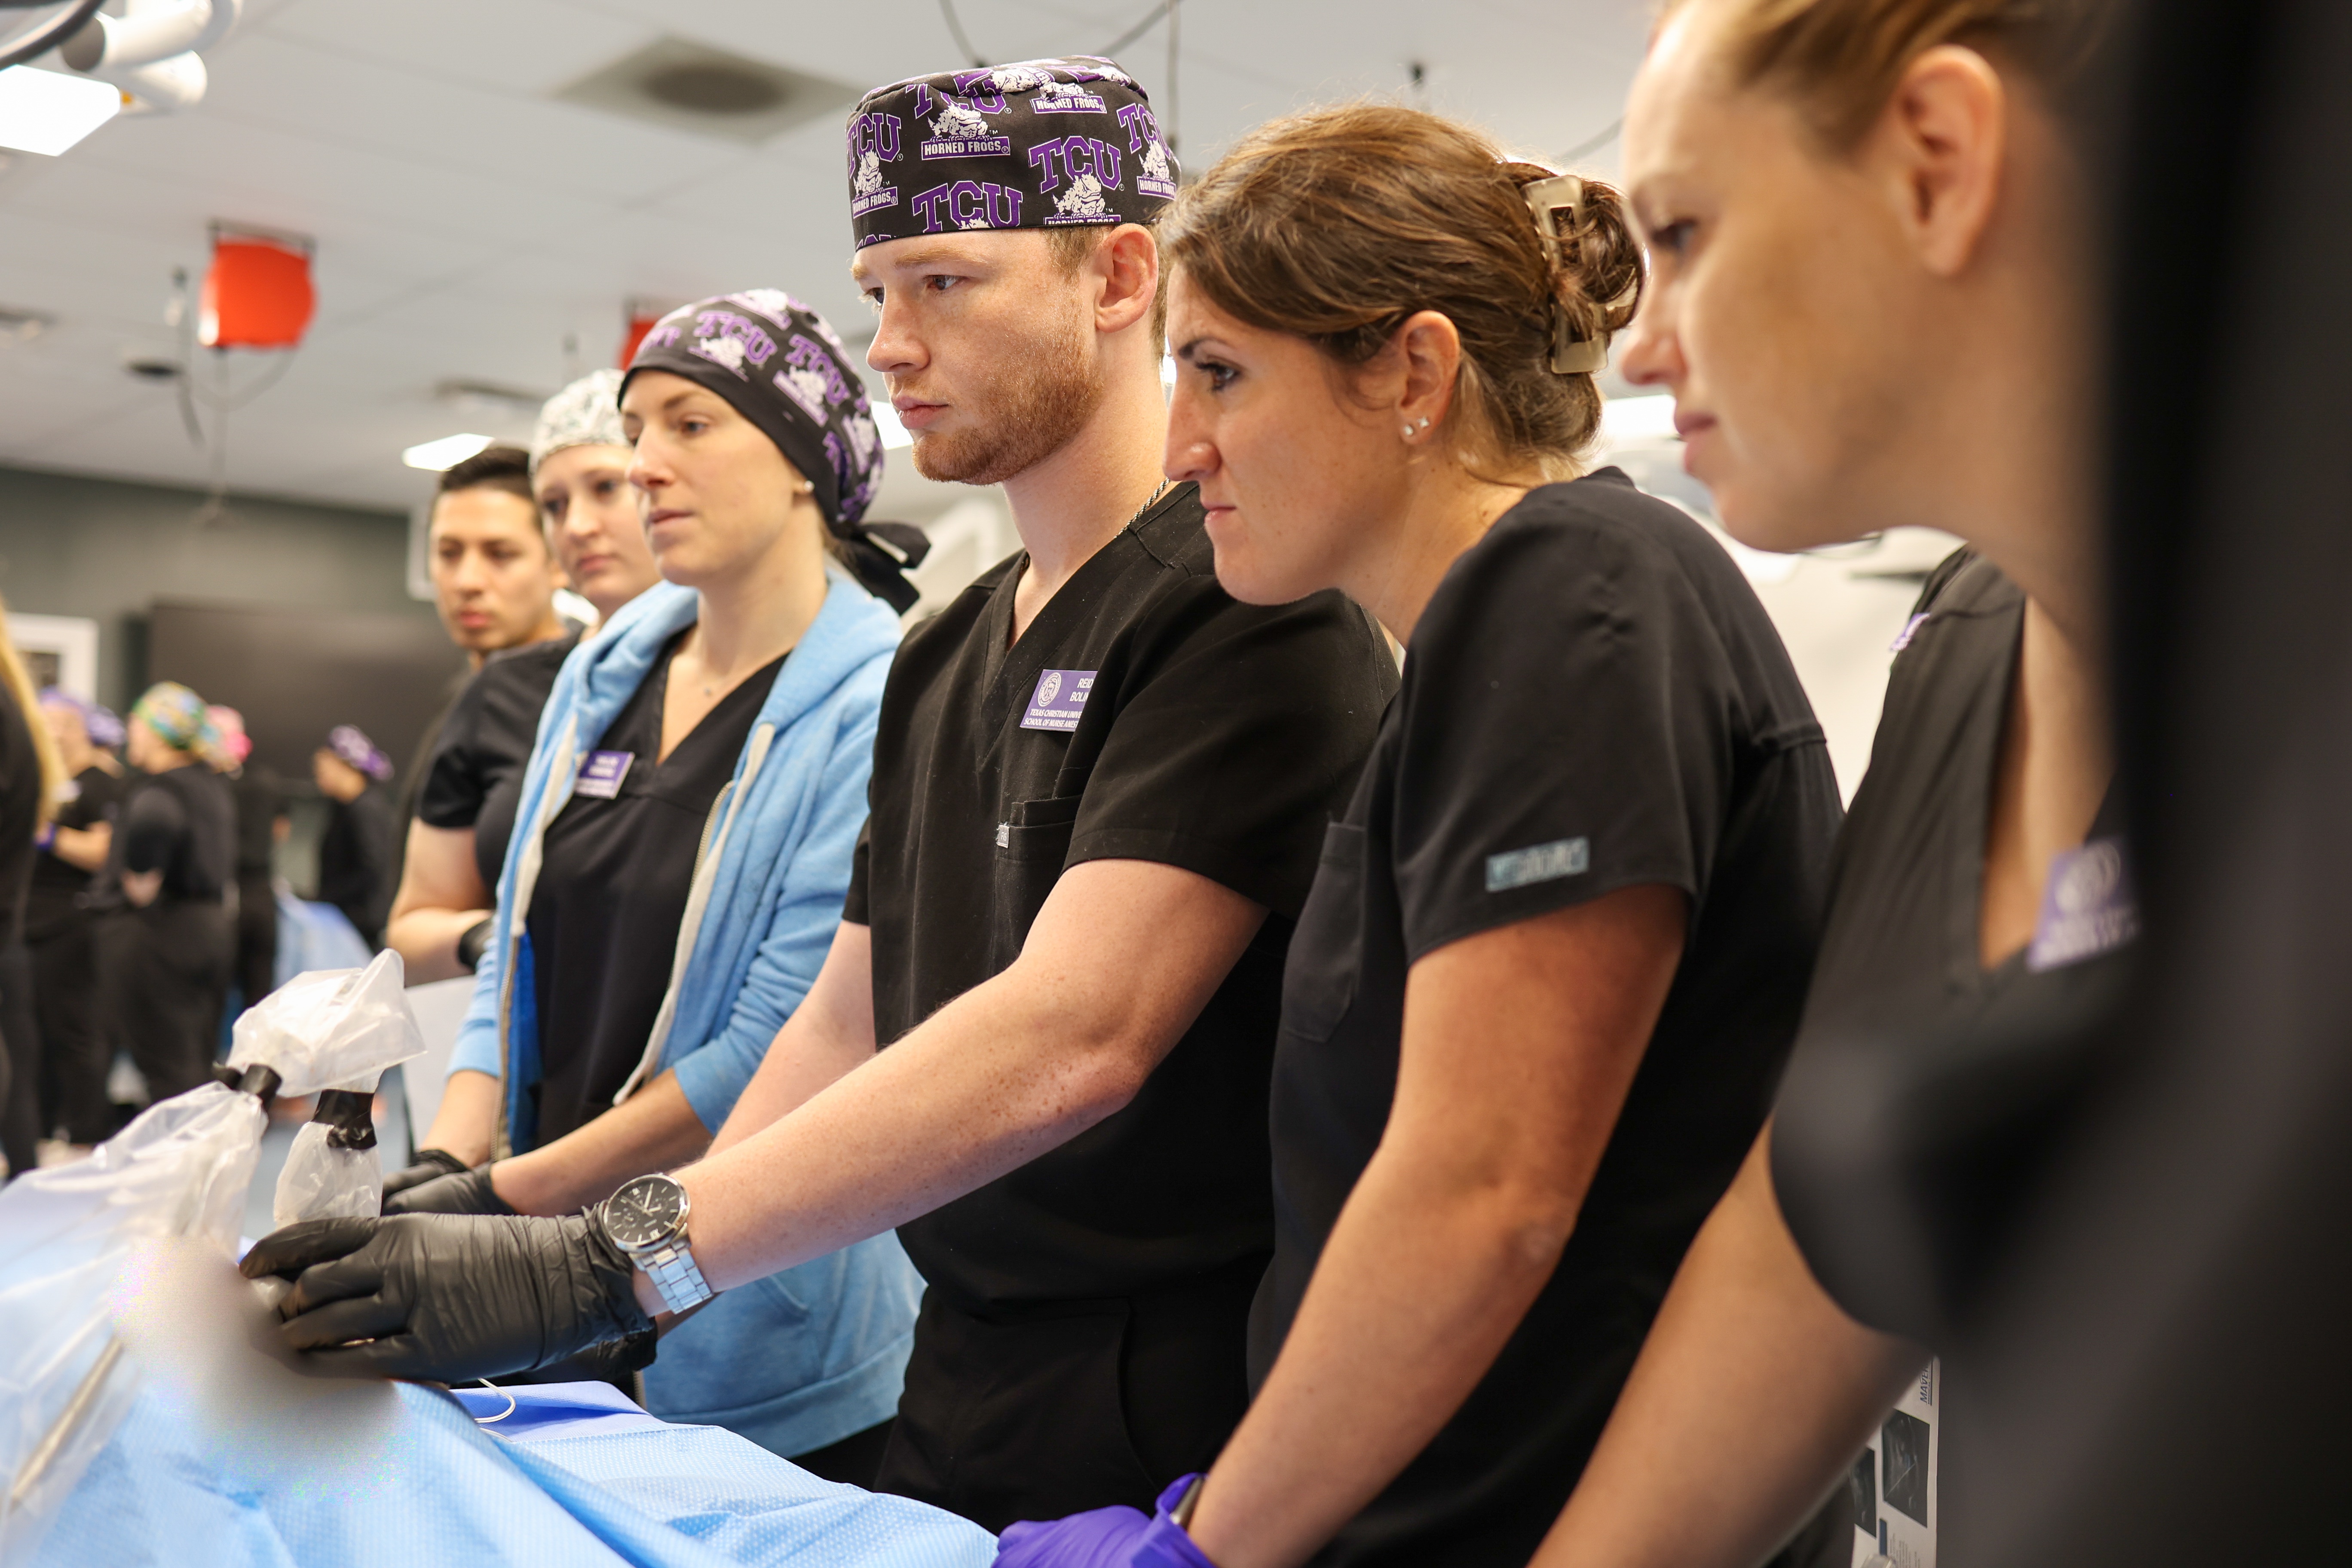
x=681, y=851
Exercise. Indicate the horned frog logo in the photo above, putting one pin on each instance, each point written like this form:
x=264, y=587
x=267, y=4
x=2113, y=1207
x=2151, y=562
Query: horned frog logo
x=959, y=122
x=1021, y=78
x=863, y=437
x=725, y=351
x=811, y=383
x=773, y=303
x=1056, y=94
x=1083, y=199
x=869, y=175
x=1155, y=163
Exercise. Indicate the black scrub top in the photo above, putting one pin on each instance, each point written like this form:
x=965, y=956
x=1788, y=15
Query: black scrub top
x=1925, y=1088
x=54, y=901
x=356, y=856
x=1144, y=715
x=476, y=778
x=1593, y=700
x=181, y=823
x=613, y=883
x=20, y=809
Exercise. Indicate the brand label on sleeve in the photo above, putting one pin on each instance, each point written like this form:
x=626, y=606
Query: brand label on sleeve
x=1060, y=698
x=1539, y=863
x=602, y=773
x=2087, y=906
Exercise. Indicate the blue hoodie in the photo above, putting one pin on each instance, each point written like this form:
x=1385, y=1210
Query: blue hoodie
x=809, y=1356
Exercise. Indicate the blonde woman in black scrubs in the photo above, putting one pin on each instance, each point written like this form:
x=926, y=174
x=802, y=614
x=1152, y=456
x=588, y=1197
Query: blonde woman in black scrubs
x=1903, y=213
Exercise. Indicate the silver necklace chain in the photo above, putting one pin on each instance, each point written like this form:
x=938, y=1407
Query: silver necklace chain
x=1148, y=502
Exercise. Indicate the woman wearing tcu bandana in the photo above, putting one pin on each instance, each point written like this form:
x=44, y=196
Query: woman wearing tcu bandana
x=1555, y=951
x=681, y=850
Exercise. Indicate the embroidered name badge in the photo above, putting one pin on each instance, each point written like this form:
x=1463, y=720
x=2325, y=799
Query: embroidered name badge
x=602, y=773
x=2088, y=906
x=1541, y=863
x=1060, y=698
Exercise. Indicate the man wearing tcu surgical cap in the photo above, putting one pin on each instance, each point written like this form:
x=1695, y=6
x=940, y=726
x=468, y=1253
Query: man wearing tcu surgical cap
x=1039, y=1047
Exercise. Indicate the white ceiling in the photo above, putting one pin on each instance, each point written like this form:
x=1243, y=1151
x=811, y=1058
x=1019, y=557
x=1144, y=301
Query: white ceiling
x=467, y=222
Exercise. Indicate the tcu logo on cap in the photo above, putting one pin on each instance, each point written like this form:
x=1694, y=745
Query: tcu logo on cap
x=968, y=204
x=875, y=133
x=1077, y=155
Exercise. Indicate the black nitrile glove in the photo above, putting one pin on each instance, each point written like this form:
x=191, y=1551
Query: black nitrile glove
x=468, y=1192
x=450, y=1297
x=431, y=1165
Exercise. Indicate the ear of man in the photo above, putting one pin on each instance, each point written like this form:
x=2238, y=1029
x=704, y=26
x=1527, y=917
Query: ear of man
x=1127, y=257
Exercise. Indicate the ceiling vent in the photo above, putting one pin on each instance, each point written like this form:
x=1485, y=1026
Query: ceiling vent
x=693, y=86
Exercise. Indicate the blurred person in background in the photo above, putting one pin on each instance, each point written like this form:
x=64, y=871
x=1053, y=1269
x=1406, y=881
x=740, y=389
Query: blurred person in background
x=1894, y=194
x=466, y=806
x=62, y=933
x=166, y=954
x=494, y=575
x=261, y=823
x=355, y=853
x=31, y=781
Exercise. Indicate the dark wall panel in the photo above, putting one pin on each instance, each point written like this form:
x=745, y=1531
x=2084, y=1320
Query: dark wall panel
x=295, y=674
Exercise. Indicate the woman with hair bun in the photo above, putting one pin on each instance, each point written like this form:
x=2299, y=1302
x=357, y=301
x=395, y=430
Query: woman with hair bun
x=1540, y=993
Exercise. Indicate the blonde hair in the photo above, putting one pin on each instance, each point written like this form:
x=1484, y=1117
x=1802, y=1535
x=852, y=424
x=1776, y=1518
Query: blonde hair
x=1839, y=60
x=28, y=705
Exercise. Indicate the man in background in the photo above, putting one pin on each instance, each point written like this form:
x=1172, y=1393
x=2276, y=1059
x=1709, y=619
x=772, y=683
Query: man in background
x=494, y=576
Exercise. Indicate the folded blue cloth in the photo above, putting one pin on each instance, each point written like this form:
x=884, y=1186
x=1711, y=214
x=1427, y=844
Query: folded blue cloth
x=574, y=1477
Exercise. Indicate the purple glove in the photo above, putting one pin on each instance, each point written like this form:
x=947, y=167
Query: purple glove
x=1105, y=1538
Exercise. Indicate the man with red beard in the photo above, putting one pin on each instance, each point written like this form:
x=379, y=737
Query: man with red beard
x=1041, y=1044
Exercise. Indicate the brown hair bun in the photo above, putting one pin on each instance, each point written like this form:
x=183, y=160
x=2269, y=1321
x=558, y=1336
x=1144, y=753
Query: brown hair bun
x=1337, y=225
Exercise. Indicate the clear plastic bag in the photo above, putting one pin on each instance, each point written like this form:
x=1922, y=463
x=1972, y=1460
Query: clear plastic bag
x=73, y=1239
x=324, y=1180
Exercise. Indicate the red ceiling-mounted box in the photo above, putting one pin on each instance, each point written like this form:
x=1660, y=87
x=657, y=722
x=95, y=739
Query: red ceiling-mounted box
x=258, y=294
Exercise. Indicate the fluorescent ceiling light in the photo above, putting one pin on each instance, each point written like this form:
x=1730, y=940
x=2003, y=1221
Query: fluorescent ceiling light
x=885, y=420
x=48, y=111
x=1627, y=420
x=448, y=452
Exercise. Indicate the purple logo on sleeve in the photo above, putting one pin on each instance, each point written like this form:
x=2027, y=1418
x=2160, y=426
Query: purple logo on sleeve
x=601, y=774
x=2087, y=906
x=1060, y=698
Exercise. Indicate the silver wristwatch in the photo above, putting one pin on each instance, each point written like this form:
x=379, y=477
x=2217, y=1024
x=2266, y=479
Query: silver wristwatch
x=646, y=1220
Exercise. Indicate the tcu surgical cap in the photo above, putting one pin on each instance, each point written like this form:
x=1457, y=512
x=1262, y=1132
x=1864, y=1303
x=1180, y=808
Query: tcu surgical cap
x=585, y=414
x=1040, y=144
x=785, y=370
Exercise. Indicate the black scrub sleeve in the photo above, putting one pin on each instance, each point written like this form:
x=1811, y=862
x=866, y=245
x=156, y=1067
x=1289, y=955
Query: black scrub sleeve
x=1560, y=739
x=152, y=829
x=1241, y=737
x=852, y=907
x=459, y=774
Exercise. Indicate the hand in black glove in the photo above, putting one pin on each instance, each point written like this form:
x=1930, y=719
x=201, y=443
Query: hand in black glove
x=431, y=1165
x=449, y=1298
x=468, y=1192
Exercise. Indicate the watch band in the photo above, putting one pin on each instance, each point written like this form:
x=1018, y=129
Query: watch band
x=672, y=1268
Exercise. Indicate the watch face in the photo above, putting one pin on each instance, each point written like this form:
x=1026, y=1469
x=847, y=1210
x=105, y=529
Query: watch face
x=644, y=1211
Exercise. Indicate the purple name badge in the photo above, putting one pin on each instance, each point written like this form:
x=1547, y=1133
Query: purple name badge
x=1060, y=698
x=602, y=773
x=2087, y=908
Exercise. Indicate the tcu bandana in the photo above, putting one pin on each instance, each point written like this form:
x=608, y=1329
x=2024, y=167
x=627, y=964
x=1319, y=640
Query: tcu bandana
x=783, y=369
x=1040, y=144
